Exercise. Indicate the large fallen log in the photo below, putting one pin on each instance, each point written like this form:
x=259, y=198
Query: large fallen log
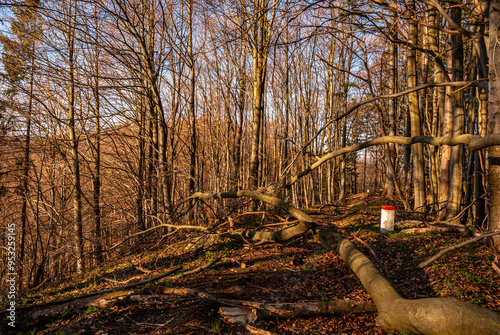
x=432, y=316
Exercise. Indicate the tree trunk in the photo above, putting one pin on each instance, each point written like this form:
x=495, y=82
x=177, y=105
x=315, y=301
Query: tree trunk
x=192, y=111
x=416, y=127
x=77, y=196
x=494, y=119
x=456, y=184
x=393, y=72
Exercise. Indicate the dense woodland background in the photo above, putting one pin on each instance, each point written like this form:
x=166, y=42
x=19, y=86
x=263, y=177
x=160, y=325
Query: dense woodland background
x=113, y=112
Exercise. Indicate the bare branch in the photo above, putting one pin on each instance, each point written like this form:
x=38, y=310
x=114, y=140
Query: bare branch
x=475, y=142
x=460, y=245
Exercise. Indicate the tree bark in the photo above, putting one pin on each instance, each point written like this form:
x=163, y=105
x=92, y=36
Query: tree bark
x=416, y=126
x=475, y=142
x=75, y=159
x=457, y=65
x=494, y=119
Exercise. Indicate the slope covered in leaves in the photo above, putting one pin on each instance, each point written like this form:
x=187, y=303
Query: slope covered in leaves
x=299, y=271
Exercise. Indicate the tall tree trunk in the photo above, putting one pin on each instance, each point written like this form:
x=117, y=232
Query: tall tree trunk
x=26, y=170
x=438, y=106
x=457, y=66
x=416, y=127
x=96, y=175
x=343, y=172
x=482, y=118
x=391, y=152
x=239, y=127
x=77, y=196
x=494, y=119
x=192, y=111
x=479, y=163
x=260, y=39
x=141, y=122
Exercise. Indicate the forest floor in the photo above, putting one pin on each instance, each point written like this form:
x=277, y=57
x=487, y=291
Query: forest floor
x=299, y=271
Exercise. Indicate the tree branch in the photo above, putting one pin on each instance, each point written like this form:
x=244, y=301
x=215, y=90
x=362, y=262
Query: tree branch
x=475, y=142
x=460, y=245
x=390, y=96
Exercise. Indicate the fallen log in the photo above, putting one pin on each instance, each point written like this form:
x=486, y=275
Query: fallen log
x=31, y=315
x=93, y=294
x=253, y=310
x=432, y=316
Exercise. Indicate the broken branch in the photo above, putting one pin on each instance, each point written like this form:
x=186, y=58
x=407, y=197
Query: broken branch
x=460, y=245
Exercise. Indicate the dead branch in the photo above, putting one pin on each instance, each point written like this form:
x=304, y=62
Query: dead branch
x=203, y=267
x=306, y=222
x=460, y=245
x=150, y=230
x=436, y=229
x=282, y=310
x=93, y=294
x=390, y=96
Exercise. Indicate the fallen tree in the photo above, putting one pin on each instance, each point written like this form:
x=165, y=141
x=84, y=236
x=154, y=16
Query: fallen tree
x=439, y=316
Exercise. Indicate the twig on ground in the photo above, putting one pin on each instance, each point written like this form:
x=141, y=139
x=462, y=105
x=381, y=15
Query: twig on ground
x=460, y=245
x=203, y=267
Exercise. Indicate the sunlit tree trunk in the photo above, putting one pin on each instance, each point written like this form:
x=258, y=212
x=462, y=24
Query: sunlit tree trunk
x=75, y=159
x=457, y=66
x=438, y=105
x=393, y=64
x=494, y=119
x=192, y=111
x=260, y=32
x=416, y=126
